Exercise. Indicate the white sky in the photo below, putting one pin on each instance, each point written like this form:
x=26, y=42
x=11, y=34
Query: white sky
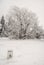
x=36, y=6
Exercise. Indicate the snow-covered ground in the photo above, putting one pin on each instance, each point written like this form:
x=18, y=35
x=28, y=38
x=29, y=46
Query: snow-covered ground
x=29, y=52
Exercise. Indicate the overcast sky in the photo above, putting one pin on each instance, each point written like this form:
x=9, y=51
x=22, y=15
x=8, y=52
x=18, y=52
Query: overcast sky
x=36, y=6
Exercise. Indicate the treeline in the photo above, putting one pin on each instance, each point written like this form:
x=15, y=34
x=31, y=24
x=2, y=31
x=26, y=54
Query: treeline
x=21, y=24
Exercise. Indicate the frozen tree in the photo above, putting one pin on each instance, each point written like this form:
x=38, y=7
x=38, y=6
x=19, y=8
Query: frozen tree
x=3, y=27
x=40, y=33
x=22, y=24
x=2, y=22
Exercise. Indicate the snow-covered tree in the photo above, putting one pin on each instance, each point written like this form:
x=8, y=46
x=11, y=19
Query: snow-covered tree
x=2, y=22
x=22, y=24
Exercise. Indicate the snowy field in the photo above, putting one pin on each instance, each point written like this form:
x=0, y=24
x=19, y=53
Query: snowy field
x=29, y=52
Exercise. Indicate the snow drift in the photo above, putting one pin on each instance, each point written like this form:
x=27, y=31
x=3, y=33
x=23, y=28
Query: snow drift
x=29, y=52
